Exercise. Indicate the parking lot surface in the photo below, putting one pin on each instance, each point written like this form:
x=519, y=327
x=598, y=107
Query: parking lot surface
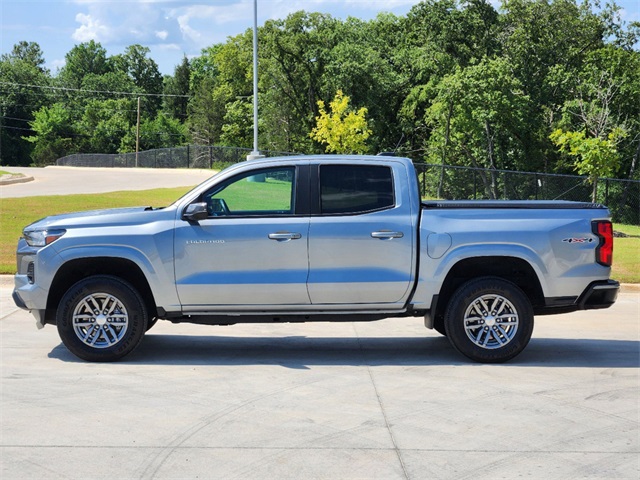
x=381, y=400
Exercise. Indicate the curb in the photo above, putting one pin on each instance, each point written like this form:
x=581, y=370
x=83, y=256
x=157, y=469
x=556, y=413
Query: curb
x=11, y=179
x=629, y=288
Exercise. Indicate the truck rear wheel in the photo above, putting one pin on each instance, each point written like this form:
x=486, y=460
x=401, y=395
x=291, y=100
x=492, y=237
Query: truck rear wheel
x=489, y=320
x=101, y=318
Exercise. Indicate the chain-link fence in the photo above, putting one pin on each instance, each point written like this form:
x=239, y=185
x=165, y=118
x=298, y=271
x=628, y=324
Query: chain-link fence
x=190, y=156
x=458, y=183
x=436, y=181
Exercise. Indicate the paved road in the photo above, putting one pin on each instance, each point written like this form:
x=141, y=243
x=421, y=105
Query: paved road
x=386, y=400
x=68, y=180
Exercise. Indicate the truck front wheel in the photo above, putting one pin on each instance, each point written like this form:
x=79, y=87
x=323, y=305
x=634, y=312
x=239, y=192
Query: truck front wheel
x=101, y=318
x=489, y=320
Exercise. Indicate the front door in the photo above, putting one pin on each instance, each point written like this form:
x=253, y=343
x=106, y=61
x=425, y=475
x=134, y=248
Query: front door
x=251, y=251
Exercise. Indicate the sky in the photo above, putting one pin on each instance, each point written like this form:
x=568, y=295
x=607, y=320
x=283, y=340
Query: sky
x=170, y=28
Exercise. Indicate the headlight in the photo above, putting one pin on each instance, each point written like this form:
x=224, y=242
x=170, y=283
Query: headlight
x=42, y=238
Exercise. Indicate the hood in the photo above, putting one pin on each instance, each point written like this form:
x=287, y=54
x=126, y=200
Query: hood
x=102, y=218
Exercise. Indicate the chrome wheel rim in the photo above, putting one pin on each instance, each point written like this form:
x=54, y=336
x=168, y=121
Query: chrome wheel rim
x=491, y=321
x=100, y=320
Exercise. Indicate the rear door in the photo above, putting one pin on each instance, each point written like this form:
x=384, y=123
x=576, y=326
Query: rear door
x=361, y=241
x=252, y=248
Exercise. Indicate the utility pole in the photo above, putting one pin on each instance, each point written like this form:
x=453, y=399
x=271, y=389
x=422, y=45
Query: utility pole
x=138, y=133
x=255, y=154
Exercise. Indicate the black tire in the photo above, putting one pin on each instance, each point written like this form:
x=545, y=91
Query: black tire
x=494, y=334
x=101, y=318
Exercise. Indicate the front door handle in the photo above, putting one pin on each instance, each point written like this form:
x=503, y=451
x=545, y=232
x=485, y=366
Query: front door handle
x=284, y=236
x=386, y=235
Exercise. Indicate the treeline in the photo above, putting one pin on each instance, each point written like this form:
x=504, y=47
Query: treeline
x=548, y=85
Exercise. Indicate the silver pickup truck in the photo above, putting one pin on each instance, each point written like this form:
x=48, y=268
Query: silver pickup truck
x=316, y=238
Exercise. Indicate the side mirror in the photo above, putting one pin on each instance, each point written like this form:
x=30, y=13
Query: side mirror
x=195, y=212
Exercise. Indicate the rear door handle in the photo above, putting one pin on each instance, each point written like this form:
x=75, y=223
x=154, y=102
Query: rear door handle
x=284, y=236
x=386, y=235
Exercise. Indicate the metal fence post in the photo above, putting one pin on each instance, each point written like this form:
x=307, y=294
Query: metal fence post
x=505, y=179
x=474, y=185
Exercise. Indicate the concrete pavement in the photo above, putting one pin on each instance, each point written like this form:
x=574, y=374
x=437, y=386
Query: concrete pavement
x=68, y=180
x=387, y=400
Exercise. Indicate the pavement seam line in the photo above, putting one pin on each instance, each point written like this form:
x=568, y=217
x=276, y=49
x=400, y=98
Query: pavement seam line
x=6, y=315
x=382, y=409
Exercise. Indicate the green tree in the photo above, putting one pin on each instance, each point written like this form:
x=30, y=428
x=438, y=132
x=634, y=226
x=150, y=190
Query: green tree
x=160, y=132
x=546, y=43
x=105, y=122
x=594, y=157
x=294, y=54
x=220, y=80
x=603, y=95
x=237, y=129
x=343, y=130
x=206, y=113
x=54, y=134
x=204, y=66
x=441, y=37
x=177, y=89
x=82, y=60
x=477, y=119
x=21, y=73
x=363, y=64
x=144, y=73
x=29, y=52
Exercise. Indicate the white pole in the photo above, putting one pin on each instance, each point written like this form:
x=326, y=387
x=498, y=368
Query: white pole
x=255, y=154
x=138, y=133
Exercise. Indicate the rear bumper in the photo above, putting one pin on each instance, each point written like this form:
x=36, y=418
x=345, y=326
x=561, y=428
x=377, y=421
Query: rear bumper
x=601, y=294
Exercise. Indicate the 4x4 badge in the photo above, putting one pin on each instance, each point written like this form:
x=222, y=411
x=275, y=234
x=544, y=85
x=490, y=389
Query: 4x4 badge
x=578, y=240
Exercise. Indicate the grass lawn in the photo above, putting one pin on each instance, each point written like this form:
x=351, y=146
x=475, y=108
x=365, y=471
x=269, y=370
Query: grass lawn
x=270, y=194
x=16, y=213
x=626, y=254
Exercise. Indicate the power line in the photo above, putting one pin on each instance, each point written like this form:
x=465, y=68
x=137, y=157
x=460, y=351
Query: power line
x=111, y=132
x=17, y=128
x=66, y=89
x=18, y=119
x=79, y=108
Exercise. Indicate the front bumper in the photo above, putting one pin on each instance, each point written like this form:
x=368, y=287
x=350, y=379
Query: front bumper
x=28, y=296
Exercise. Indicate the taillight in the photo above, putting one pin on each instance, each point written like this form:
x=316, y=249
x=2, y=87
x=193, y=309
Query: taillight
x=604, y=251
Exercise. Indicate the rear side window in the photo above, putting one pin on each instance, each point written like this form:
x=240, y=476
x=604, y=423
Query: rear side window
x=355, y=188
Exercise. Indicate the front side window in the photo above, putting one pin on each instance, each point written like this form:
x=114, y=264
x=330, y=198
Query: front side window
x=260, y=192
x=355, y=188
